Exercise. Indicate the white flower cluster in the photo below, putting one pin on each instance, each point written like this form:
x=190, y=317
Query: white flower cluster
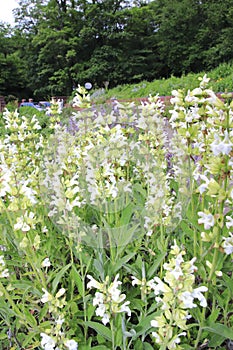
x=145, y=286
x=108, y=299
x=55, y=338
x=54, y=302
x=207, y=219
x=19, y=172
x=176, y=295
x=82, y=98
x=26, y=222
x=228, y=244
x=106, y=158
x=3, y=271
x=205, y=121
x=221, y=146
x=46, y=263
x=49, y=343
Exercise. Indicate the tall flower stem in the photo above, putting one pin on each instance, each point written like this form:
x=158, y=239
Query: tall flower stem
x=113, y=333
x=220, y=212
x=83, y=274
x=192, y=205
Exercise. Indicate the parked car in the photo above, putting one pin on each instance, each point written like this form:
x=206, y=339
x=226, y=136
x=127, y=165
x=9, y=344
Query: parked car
x=40, y=106
x=44, y=104
x=31, y=104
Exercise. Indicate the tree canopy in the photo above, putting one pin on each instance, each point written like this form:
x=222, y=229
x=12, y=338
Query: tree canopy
x=58, y=44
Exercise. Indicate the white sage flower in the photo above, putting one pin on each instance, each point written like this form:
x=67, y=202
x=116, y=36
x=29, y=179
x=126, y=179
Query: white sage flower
x=228, y=244
x=207, y=219
x=188, y=297
x=229, y=222
x=46, y=263
x=221, y=146
x=108, y=298
x=71, y=344
x=46, y=296
x=47, y=342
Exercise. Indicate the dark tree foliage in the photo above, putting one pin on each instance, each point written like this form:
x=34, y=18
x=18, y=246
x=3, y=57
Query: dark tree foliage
x=215, y=34
x=12, y=72
x=178, y=23
x=58, y=44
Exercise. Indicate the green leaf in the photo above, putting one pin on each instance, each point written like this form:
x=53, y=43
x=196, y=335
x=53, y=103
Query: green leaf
x=155, y=265
x=192, y=216
x=139, y=345
x=221, y=330
x=90, y=311
x=100, y=339
x=122, y=236
x=122, y=261
x=221, y=300
x=186, y=228
x=145, y=325
x=213, y=316
x=77, y=279
x=23, y=285
x=187, y=347
x=147, y=346
x=216, y=340
x=43, y=312
x=136, y=304
x=58, y=277
x=85, y=346
x=138, y=188
x=99, y=268
x=30, y=319
x=28, y=339
x=126, y=215
x=229, y=283
x=101, y=329
x=44, y=325
x=3, y=336
x=118, y=331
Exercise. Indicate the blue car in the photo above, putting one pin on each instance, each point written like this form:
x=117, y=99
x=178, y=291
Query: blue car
x=31, y=104
x=44, y=104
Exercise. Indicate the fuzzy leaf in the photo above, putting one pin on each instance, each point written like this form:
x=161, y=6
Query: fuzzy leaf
x=122, y=261
x=101, y=329
x=147, y=346
x=155, y=265
x=59, y=276
x=221, y=330
x=145, y=325
x=77, y=279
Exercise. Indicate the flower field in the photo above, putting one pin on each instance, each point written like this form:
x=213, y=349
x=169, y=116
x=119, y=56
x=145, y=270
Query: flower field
x=117, y=225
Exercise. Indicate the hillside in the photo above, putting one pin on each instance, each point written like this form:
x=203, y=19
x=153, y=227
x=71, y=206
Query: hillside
x=221, y=80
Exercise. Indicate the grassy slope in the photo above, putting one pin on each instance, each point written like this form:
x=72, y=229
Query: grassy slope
x=221, y=81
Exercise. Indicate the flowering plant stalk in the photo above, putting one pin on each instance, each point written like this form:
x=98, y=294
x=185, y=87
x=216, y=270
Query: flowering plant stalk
x=109, y=300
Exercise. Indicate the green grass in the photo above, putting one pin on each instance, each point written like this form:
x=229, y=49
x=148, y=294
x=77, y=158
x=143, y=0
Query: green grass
x=221, y=80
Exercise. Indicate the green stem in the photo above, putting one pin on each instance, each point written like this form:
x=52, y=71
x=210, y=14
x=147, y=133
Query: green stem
x=113, y=334
x=198, y=336
x=7, y=213
x=83, y=274
x=192, y=206
x=213, y=267
x=123, y=331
